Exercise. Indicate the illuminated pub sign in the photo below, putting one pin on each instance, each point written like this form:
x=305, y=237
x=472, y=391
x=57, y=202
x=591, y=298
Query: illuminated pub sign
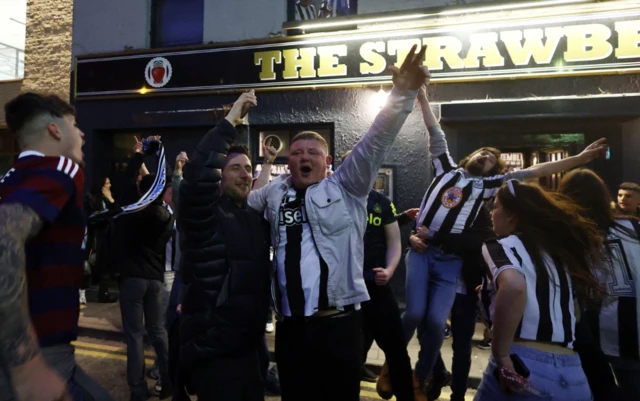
x=597, y=43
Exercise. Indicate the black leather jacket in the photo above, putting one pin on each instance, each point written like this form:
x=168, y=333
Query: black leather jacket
x=225, y=260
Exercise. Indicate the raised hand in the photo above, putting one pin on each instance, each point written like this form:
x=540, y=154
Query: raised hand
x=595, y=150
x=412, y=74
x=241, y=107
x=270, y=153
x=137, y=147
x=181, y=160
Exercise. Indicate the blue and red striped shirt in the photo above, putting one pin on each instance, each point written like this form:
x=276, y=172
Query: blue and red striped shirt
x=53, y=188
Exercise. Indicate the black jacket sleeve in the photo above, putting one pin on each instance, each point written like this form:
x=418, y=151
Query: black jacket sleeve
x=200, y=186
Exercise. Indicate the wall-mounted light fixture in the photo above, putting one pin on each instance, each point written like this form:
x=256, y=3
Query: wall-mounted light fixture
x=379, y=99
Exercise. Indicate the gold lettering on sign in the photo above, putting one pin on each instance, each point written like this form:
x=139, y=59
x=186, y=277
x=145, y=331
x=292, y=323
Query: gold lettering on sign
x=401, y=48
x=302, y=59
x=267, y=60
x=628, y=39
x=521, y=53
x=329, y=63
x=483, y=45
x=375, y=63
x=444, y=48
x=587, y=42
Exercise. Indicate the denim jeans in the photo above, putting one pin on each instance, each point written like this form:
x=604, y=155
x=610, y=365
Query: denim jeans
x=432, y=278
x=628, y=375
x=463, y=324
x=554, y=376
x=141, y=307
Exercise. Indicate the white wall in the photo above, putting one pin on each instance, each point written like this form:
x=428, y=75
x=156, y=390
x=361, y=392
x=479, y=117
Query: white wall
x=232, y=20
x=101, y=26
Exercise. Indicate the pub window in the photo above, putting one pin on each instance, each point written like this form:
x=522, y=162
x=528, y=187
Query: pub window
x=8, y=151
x=281, y=137
x=177, y=22
x=303, y=10
x=13, y=15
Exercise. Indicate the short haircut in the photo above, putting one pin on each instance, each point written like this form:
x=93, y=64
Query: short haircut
x=306, y=135
x=24, y=109
x=498, y=168
x=237, y=148
x=630, y=186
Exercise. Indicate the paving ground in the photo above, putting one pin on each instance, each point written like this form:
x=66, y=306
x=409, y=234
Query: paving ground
x=101, y=352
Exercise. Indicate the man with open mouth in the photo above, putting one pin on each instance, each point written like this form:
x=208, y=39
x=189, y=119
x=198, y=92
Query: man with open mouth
x=317, y=226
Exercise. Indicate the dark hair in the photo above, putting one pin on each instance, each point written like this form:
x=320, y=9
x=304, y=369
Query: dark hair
x=552, y=223
x=24, y=108
x=239, y=148
x=630, y=186
x=498, y=168
x=147, y=181
x=312, y=135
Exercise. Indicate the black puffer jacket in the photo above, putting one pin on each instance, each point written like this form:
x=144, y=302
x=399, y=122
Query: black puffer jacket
x=225, y=260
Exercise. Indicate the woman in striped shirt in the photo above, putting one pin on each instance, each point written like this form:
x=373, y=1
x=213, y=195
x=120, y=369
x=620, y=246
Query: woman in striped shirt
x=540, y=264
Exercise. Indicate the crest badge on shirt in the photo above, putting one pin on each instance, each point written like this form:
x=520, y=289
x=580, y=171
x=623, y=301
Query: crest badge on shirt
x=451, y=197
x=377, y=208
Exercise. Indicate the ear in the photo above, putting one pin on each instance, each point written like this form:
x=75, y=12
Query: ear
x=329, y=160
x=53, y=131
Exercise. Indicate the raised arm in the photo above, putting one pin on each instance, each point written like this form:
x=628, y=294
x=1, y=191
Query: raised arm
x=360, y=169
x=437, y=146
x=270, y=153
x=200, y=186
x=596, y=149
x=176, y=179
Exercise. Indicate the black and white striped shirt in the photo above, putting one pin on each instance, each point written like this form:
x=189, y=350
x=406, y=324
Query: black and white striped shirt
x=304, y=13
x=453, y=200
x=618, y=323
x=303, y=275
x=549, y=314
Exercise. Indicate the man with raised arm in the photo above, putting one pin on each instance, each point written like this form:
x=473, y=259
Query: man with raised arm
x=41, y=257
x=317, y=226
x=225, y=267
x=448, y=210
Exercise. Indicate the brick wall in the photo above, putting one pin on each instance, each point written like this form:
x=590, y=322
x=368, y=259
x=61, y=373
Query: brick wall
x=47, y=64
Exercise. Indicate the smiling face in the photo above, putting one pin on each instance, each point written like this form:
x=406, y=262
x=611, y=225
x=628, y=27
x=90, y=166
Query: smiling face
x=481, y=162
x=308, y=161
x=236, y=177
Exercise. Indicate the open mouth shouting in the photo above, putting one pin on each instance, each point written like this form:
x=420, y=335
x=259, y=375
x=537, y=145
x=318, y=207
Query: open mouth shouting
x=305, y=171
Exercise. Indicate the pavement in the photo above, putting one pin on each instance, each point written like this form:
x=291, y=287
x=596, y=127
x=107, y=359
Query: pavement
x=104, y=360
x=103, y=320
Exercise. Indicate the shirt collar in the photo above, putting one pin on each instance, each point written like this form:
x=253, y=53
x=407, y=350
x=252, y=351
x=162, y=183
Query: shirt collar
x=27, y=153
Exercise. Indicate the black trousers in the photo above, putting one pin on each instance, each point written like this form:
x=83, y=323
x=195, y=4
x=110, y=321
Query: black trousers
x=382, y=324
x=236, y=378
x=320, y=358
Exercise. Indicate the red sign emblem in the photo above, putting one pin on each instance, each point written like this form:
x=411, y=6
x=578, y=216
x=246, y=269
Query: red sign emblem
x=158, y=72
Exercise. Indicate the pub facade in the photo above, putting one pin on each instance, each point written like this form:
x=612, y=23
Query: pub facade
x=538, y=80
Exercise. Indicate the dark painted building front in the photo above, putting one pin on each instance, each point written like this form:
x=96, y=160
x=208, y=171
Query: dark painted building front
x=532, y=119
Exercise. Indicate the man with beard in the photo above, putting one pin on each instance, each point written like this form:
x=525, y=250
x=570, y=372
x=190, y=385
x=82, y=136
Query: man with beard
x=225, y=267
x=317, y=226
x=448, y=209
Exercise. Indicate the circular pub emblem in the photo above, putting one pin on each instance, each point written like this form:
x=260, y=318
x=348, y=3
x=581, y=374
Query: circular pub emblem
x=451, y=197
x=158, y=72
